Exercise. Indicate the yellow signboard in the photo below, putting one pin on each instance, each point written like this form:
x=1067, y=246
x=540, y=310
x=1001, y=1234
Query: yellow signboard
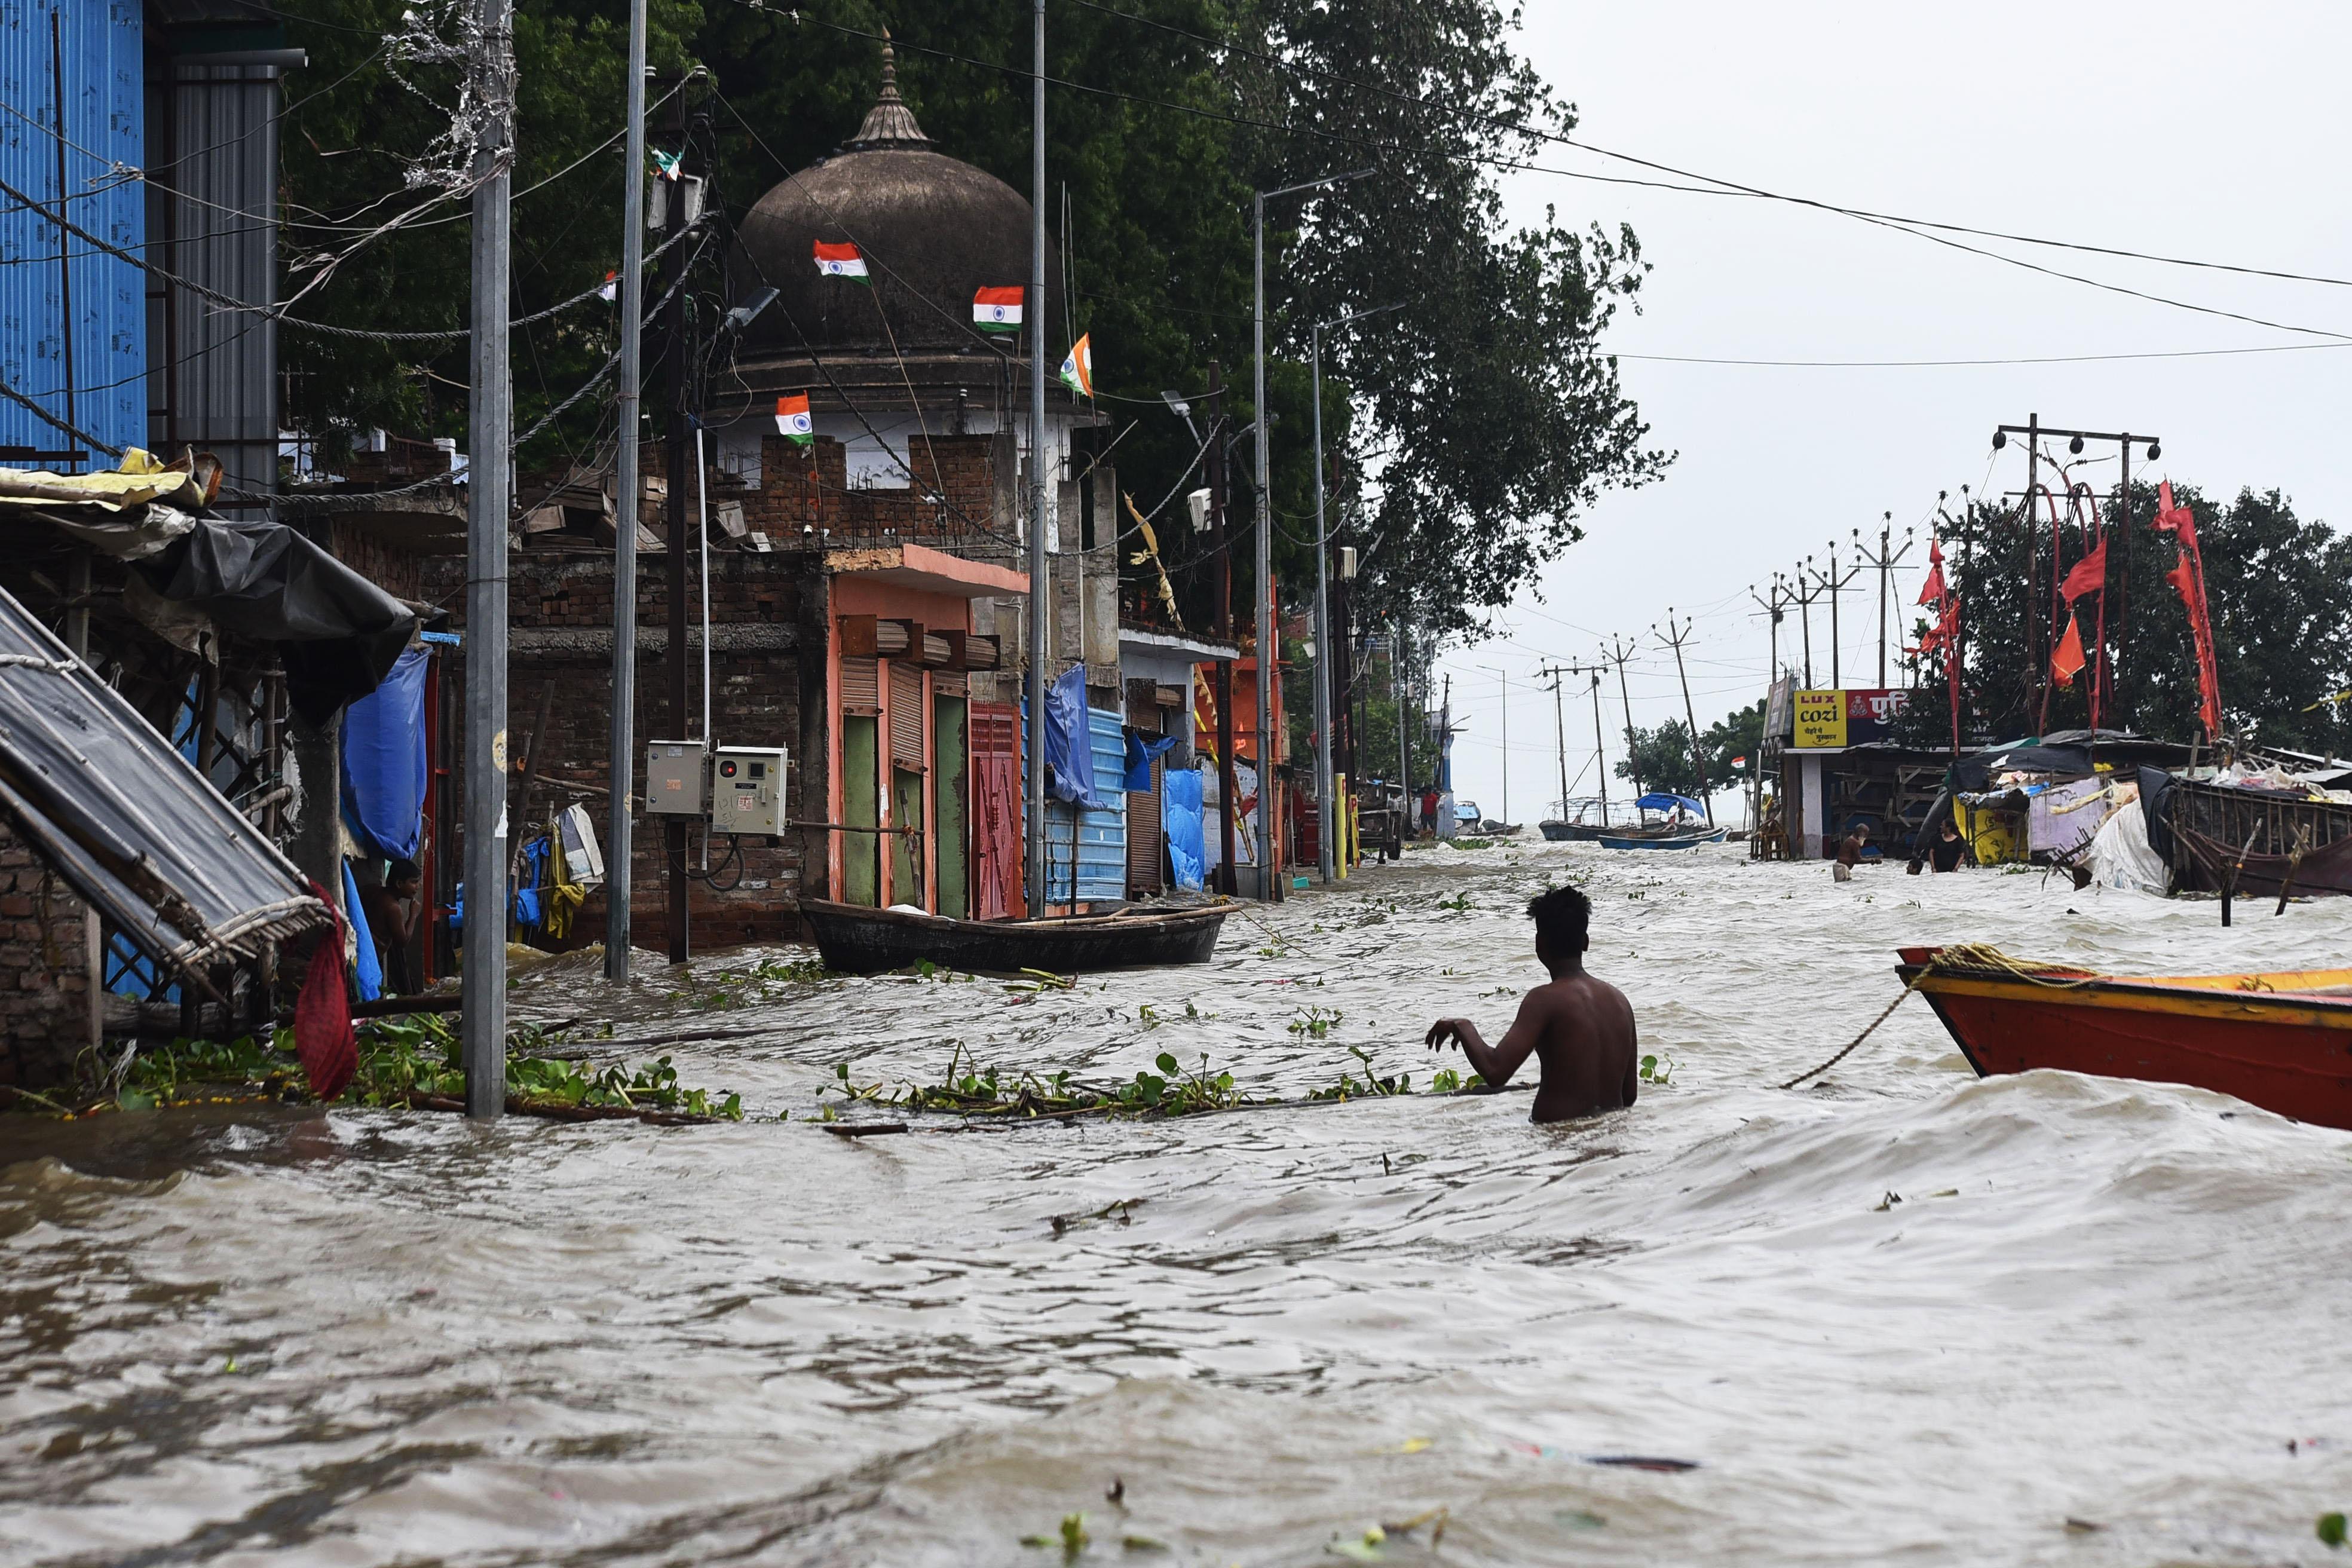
x=1820, y=719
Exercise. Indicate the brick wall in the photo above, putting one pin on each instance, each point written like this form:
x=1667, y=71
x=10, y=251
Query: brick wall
x=44, y=973
x=559, y=649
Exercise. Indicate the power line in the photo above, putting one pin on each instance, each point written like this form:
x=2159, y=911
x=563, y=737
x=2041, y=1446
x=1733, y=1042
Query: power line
x=1728, y=187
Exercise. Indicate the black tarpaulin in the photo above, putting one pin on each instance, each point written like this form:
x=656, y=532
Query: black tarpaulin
x=109, y=805
x=338, y=633
x=1975, y=774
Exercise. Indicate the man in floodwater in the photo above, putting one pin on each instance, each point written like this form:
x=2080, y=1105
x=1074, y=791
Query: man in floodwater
x=1580, y=1028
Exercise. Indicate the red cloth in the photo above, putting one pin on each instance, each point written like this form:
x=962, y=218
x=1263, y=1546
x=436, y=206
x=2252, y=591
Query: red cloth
x=323, y=1039
x=1933, y=588
x=2089, y=575
x=2188, y=578
x=2066, y=659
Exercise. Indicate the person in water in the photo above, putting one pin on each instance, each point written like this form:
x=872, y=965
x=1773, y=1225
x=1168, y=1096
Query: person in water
x=1580, y=1028
x=1949, y=848
x=1850, y=851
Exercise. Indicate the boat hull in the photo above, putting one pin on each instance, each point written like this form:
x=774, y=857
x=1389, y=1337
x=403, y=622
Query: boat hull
x=2279, y=1041
x=1571, y=832
x=1664, y=841
x=857, y=940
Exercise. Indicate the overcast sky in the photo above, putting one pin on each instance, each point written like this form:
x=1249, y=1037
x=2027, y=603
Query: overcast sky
x=2210, y=132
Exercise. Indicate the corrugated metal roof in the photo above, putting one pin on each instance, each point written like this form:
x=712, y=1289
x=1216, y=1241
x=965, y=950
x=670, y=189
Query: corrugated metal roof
x=100, y=46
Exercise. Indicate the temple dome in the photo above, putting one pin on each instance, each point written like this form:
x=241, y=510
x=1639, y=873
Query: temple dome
x=932, y=230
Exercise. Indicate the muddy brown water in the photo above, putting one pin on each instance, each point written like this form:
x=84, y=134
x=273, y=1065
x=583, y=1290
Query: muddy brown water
x=244, y=1336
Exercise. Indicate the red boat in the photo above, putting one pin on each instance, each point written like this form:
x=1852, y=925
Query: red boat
x=2281, y=1041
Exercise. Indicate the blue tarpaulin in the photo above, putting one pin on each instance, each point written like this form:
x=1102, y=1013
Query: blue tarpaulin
x=369, y=970
x=1140, y=749
x=1658, y=800
x=1180, y=819
x=1071, y=767
x=384, y=760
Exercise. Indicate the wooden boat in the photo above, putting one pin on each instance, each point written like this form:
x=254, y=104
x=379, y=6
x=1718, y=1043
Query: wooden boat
x=2262, y=844
x=1572, y=832
x=1637, y=840
x=2281, y=1041
x=857, y=940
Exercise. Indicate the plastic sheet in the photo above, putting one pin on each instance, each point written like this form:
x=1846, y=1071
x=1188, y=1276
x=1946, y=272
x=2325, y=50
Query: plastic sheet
x=1180, y=820
x=384, y=758
x=2120, y=856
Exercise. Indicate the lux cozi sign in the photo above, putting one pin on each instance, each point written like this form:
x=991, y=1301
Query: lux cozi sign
x=1827, y=721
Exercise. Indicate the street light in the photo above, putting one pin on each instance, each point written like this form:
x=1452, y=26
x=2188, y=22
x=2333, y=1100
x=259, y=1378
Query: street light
x=1267, y=648
x=1326, y=784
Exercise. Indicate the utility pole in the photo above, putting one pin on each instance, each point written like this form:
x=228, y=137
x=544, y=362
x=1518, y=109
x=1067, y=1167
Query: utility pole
x=489, y=436
x=621, y=771
x=1401, y=690
x=1772, y=607
x=1506, y=731
x=1600, y=756
x=1673, y=638
x=1040, y=599
x=677, y=440
x=1269, y=648
x=1618, y=654
x=1802, y=593
x=1223, y=586
x=1834, y=582
x=1560, y=738
x=1886, y=565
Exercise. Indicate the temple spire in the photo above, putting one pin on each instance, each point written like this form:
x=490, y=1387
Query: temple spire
x=890, y=123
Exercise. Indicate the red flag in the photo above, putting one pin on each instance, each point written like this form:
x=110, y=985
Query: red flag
x=322, y=1015
x=1933, y=588
x=2188, y=578
x=2089, y=575
x=2066, y=659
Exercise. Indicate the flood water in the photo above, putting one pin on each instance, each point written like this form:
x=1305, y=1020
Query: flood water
x=368, y=1337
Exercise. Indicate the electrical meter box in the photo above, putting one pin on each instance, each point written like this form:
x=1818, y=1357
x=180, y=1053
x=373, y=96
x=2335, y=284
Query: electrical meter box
x=747, y=790
x=674, y=779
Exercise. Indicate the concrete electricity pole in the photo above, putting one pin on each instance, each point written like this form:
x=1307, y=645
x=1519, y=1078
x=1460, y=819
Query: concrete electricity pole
x=1673, y=638
x=1885, y=564
x=1832, y=581
x=1040, y=599
x=1618, y=654
x=620, y=827
x=489, y=436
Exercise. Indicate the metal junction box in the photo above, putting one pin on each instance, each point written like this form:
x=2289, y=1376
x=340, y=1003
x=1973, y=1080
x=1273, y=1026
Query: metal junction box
x=747, y=789
x=674, y=779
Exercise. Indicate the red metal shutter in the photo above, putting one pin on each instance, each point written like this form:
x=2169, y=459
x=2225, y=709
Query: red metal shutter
x=861, y=687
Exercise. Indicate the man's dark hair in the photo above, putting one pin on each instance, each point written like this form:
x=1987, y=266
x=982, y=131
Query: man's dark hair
x=1563, y=917
x=401, y=871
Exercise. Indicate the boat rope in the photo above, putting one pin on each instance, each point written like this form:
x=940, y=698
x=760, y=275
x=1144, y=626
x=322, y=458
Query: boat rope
x=1958, y=956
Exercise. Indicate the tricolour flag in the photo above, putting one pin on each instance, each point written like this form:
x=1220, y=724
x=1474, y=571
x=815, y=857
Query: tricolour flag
x=1078, y=370
x=841, y=261
x=996, y=310
x=793, y=420
x=611, y=289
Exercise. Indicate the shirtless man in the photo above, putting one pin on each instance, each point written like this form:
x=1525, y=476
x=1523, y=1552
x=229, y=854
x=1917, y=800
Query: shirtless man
x=1580, y=1028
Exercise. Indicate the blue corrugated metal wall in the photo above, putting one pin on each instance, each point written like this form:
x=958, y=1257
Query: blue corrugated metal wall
x=105, y=139
x=1101, y=833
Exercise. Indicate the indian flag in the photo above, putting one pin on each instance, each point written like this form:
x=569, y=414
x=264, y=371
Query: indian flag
x=793, y=420
x=1078, y=370
x=841, y=261
x=997, y=309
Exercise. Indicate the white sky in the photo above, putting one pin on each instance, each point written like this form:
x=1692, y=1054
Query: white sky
x=2213, y=132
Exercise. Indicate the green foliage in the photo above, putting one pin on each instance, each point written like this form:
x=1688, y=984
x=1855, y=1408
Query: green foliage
x=1370, y=1086
x=1494, y=419
x=1659, y=1070
x=2331, y=1530
x=1316, y=1021
x=399, y=1059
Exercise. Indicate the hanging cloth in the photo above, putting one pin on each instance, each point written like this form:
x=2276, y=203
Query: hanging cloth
x=528, y=907
x=2188, y=578
x=1069, y=740
x=384, y=759
x=1140, y=749
x=565, y=896
x=322, y=1015
x=367, y=965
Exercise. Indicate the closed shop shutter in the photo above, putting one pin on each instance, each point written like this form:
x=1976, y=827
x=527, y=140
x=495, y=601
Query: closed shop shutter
x=1143, y=878
x=908, y=720
x=860, y=687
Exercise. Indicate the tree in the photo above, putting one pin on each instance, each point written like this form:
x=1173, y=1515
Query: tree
x=1661, y=758
x=2282, y=614
x=1466, y=435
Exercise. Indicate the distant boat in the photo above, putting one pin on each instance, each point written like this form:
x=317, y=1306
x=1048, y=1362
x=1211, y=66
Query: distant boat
x=2277, y=1040
x=1572, y=832
x=1640, y=839
x=857, y=940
